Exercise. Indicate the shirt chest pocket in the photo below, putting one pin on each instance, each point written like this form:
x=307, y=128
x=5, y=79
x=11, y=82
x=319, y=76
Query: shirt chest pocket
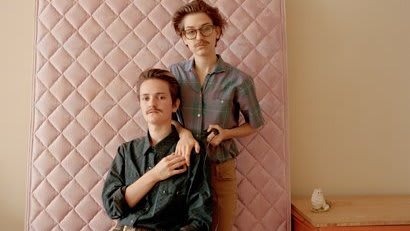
x=176, y=187
x=174, y=190
x=170, y=196
x=219, y=101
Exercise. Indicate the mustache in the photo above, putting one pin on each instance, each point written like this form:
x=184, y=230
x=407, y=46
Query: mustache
x=201, y=43
x=152, y=109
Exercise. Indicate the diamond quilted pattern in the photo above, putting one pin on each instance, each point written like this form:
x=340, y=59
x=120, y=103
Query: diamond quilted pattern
x=71, y=222
x=58, y=208
x=88, y=148
x=48, y=45
x=62, y=31
x=61, y=60
x=104, y=74
x=88, y=55
x=73, y=163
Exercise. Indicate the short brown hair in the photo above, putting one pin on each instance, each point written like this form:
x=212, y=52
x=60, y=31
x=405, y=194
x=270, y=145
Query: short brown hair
x=155, y=73
x=197, y=6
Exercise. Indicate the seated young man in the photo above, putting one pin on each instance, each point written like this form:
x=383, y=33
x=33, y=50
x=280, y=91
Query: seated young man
x=149, y=187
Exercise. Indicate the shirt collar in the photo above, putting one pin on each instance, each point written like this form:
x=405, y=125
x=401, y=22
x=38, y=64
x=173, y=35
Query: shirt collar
x=163, y=146
x=221, y=66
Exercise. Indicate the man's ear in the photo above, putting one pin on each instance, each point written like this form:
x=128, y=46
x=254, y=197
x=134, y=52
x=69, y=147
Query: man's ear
x=218, y=32
x=176, y=105
x=184, y=40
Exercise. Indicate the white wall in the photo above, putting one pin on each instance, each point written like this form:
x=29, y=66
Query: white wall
x=16, y=65
x=349, y=96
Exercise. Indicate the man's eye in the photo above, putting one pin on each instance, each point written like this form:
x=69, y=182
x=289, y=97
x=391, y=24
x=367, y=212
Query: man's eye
x=162, y=97
x=205, y=28
x=145, y=98
x=190, y=32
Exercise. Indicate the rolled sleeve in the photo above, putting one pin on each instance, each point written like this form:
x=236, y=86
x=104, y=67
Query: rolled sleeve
x=249, y=105
x=113, y=194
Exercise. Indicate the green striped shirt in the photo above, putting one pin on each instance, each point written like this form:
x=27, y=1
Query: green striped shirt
x=226, y=93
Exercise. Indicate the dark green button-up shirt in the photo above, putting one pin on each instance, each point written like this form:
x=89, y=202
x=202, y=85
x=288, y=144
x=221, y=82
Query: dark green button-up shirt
x=182, y=200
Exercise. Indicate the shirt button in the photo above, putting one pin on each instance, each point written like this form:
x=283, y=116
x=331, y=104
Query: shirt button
x=199, y=115
x=163, y=191
x=149, y=168
x=222, y=101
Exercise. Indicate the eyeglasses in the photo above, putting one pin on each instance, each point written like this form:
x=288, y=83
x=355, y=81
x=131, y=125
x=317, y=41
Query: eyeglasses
x=205, y=30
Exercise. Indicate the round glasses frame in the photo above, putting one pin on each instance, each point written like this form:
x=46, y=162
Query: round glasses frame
x=205, y=30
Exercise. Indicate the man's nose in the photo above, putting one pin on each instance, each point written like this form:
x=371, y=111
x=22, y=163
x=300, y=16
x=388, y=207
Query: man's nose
x=198, y=35
x=153, y=101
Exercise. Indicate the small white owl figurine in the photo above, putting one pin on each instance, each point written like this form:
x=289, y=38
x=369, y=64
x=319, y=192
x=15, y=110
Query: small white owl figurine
x=318, y=200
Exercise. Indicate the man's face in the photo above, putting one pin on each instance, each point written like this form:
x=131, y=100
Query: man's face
x=201, y=44
x=156, y=102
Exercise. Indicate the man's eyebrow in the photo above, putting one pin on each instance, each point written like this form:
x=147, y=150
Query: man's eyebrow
x=156, y=93
x=205, y=24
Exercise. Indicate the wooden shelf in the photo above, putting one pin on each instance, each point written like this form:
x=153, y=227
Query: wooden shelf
x=357, y=212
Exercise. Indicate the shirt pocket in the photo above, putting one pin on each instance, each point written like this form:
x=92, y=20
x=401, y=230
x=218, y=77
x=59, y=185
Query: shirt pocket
x=174, y=190
x=170, y=196
x=219, y=102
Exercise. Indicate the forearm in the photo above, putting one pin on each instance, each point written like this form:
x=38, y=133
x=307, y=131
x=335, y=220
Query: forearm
x=180, y=129
x=240, y=131
x=137, y=190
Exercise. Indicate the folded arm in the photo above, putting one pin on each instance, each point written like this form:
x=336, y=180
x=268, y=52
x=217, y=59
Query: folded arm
x=118, y=197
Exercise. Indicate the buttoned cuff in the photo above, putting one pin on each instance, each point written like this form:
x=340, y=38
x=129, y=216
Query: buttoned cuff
x=119, y=200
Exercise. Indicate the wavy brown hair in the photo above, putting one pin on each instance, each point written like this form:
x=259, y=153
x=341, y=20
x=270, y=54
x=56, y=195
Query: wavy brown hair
x=164, y=75
x=197, y=6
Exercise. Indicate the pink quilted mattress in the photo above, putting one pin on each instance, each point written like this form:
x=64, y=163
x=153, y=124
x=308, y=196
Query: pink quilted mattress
x=88, y=55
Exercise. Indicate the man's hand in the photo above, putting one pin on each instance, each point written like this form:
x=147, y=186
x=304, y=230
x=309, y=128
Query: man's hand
x=169, y=166
x=215, y=138
x=185, y=145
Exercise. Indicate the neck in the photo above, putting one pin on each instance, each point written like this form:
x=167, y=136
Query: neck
x=204, y=65
x=158, y=133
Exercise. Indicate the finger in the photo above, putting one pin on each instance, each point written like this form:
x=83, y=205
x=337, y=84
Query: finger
x=179, y=171
x=178, y=150
x=171, y=156
x=178, y=165
x=210, y=127
x=215, y=141
x=187, y=151
x=197, y=147
x=167, y=158
x=210, y=137
x=175, y=159
x=187, y=158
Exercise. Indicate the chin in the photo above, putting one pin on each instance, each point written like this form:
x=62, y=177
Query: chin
x=202, y=52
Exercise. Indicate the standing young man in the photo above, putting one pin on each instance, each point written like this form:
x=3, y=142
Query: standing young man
x=149, y=187
x=214, y=93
